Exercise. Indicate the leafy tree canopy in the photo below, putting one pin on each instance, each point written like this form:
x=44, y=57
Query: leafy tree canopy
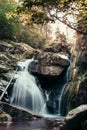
x=71, y=12
x=7, y=19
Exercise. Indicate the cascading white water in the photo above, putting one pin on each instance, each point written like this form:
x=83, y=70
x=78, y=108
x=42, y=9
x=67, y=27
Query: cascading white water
x=25, y=91
x=27, y=94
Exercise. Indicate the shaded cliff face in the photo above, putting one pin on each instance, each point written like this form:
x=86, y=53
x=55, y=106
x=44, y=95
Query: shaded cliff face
x=78, y=90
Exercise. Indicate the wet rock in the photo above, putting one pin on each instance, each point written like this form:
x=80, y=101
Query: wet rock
x=18, y=113
x=4, y=46
x=3, y=58
x=51, y=105
x=65, y=96
x=3, y=69
x=75, y=118
x=3, y=84
x=4, y=117
x=20, y=48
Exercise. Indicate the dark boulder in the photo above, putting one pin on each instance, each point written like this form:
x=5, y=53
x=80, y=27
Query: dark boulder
x=75, y=118
x=18, y=113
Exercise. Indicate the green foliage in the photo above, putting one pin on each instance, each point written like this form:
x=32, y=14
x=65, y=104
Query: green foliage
x=18, y=27
x=52, y=3
x=30, y=36
x=40, y=17
x=7, y=19
x=76, y=8
x=6, y=30
x=81, y=6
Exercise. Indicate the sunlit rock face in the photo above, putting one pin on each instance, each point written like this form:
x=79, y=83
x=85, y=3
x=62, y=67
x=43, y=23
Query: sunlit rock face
x=51, y=63
x=11, y=52
x=81, y=43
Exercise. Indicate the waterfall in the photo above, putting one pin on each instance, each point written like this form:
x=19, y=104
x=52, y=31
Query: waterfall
x=25, y=92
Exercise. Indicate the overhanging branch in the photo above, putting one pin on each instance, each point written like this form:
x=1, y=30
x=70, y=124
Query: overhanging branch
x=64, y=22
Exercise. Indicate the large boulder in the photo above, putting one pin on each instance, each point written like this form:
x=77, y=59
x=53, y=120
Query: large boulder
x=51, y=63
x=75, y=118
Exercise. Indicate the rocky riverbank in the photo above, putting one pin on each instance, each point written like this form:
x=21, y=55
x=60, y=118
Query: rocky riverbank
x=52, y=64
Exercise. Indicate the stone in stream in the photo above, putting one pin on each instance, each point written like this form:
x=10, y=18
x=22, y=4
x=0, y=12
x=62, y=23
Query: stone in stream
x=75, y=119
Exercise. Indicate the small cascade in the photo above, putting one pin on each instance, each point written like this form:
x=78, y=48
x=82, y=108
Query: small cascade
x=54, y=97
x=25, y=92
x=66, y=79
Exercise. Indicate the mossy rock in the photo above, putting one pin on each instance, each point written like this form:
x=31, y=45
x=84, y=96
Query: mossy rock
x=4, y=117
x=81, y=60
x=82, y=92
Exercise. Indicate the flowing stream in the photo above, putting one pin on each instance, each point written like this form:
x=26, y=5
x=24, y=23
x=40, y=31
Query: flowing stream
x=38, y=124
